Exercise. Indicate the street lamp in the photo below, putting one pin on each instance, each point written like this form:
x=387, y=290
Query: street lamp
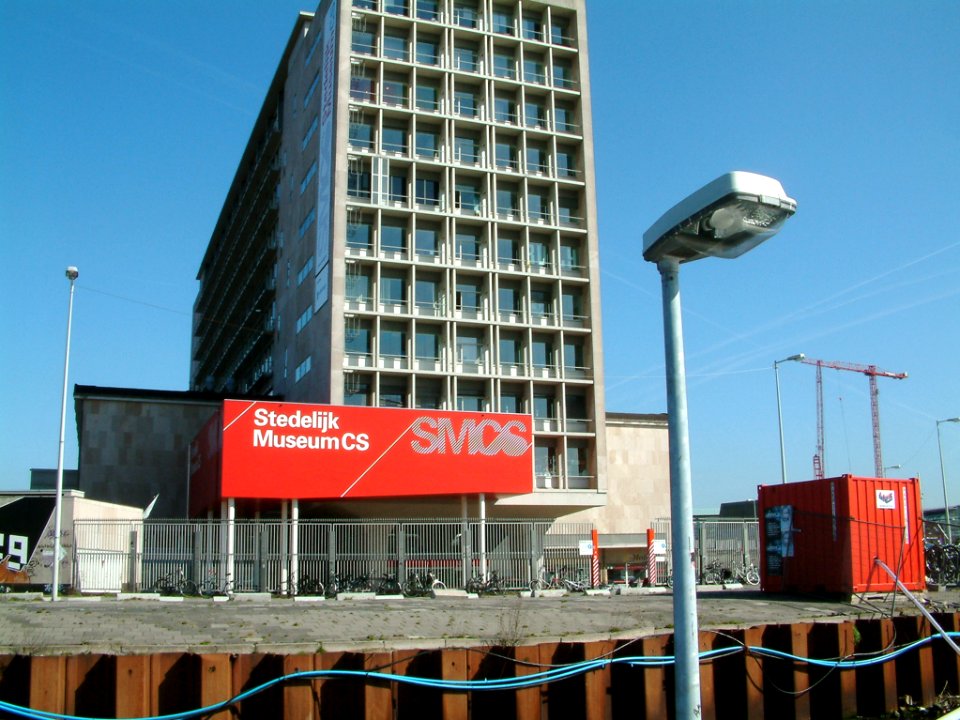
x=943, y=477
x=783, y=450
x=72, y=275
x=725, y=218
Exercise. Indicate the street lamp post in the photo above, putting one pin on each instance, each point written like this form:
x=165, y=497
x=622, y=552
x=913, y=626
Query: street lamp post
x=72, y=275
x=943, y=476
x=725, y=218
x=783, y=450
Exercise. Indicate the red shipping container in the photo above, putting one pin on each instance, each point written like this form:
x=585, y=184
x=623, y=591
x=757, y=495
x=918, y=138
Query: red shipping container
x=824, y=535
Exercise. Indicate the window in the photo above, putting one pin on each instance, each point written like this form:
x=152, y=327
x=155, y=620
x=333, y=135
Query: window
x=503, y=66
x=363, y=87
x=508, y=249
x=302, y=369
x=360, y=234
x=562, y=74
x=578, y=464
x=428, y=144
x=569, y=209
x=394, y=138
x=533, y=70
x=427, y=240
x=391, y=289
x=502, y=20
x=312, y=89
x=532, y=27
x=356, y=390
x=539, y=254
x=429, y=394
x=393, y=339
x=365, y=4
x=397, y=186
x=466, y=149
x=358, y=180
x=565, y=118
x=558, y=31
x=393, y=237
x=469, y=295
x=541, y=351
x=506, y=200
x=469, y=346
x=467, y=197
x=465, y=58
x=544, y=462
x=304, y=319
x=308, y=176
x=543, y=406
x=309, y=134
x=506, y=155
x=357, y=285
x=511, y=401
x=394, y=90
x=305, y=271
x=469, y=400
x=393, y=392
x=536, y=159
x=307, y=222
x=534, y=115
x=540, y=302
x=465, y=15
x=426, y=293
x=427, y=344
x=538, y=206
x=504, y=109
x=511, y=349
x=428, y=96
x=468, y=244
x=428, y=9
x=573, y=359
x=570, y=256
x=397, y=7
x=566, y=162
x=364, y=42
x=571, y=305
x=465, y=103
x=428, y=51
x=361, y=134
x=508, y=298
x=427, y=192
x=395, y=46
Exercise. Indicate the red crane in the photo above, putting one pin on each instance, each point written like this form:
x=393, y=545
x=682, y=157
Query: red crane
x=872, y=372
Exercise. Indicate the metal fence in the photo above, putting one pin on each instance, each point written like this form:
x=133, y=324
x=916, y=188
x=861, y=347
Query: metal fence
x=276, y=556
x=732, y=543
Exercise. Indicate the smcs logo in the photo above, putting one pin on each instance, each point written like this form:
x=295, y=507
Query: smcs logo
x=886, y=500
x=486, y=437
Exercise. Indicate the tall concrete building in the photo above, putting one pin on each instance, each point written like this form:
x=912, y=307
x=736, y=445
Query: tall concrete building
x=413, y=224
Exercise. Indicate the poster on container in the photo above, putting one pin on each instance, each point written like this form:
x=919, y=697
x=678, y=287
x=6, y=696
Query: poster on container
x=778, y=529
x=286, y=451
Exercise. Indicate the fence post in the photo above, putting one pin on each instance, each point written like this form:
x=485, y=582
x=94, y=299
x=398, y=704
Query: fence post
x=332, y=550
x=263, y=549
x=401, y=553
x=465, y=549
x=197, y=563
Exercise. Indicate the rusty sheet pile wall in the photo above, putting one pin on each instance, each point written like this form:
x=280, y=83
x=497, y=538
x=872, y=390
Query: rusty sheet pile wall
x=736, y=682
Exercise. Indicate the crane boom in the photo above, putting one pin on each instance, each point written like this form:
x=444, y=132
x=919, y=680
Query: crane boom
x=872, y=372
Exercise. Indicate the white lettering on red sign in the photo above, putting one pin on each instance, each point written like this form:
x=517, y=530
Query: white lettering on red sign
x=438, y=436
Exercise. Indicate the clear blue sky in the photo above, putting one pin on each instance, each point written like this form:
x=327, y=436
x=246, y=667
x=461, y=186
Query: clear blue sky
x=121, y=125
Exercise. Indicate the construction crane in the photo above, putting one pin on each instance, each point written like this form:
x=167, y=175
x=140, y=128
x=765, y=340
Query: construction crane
x=872, y=372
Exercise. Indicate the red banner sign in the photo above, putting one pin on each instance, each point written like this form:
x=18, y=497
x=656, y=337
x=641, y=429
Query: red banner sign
x=286, y=451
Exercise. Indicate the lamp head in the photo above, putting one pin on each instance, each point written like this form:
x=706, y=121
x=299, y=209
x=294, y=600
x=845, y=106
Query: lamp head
x=72, y=273
x=725, y=218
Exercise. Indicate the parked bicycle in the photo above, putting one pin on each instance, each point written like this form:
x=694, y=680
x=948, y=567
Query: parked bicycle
x=348, y=583
x=388, y=585
x=307, y=585
x=477, y=585
x=418, y=585
x=747, y=574
x=548, y=580
x=577, y=584
x=713, y=573
x=175, y=583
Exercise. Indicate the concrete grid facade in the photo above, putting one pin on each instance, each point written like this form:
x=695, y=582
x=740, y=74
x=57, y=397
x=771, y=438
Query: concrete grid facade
x=413, y=224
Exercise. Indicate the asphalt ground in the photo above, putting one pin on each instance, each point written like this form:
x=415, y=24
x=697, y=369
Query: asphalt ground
x=142, y=625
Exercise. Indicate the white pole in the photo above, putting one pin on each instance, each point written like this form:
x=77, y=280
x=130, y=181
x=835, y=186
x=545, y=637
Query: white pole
x=294, y=541
x=72, y=275
x=284, y=560
x=231, y=539
x=943, y=479
x=783, y=450
x=483, y=536
x=687, y=662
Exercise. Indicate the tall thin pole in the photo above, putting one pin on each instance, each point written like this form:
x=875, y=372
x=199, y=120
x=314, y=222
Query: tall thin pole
x=687, y=663
x=72, y=275
x=783, y=449
x=943, y=477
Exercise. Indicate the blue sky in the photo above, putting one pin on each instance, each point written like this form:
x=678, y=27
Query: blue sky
x=121, y=125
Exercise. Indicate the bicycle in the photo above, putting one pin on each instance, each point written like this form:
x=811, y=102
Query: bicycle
x=211, y=586
x=578, y=585
x=348, y=583
x=491, y=586
x=713, y=573
x=388, y=585
x=174, y=583
x=548, y=580
x=747, y=574
x=306, y=585
x=421, y=585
